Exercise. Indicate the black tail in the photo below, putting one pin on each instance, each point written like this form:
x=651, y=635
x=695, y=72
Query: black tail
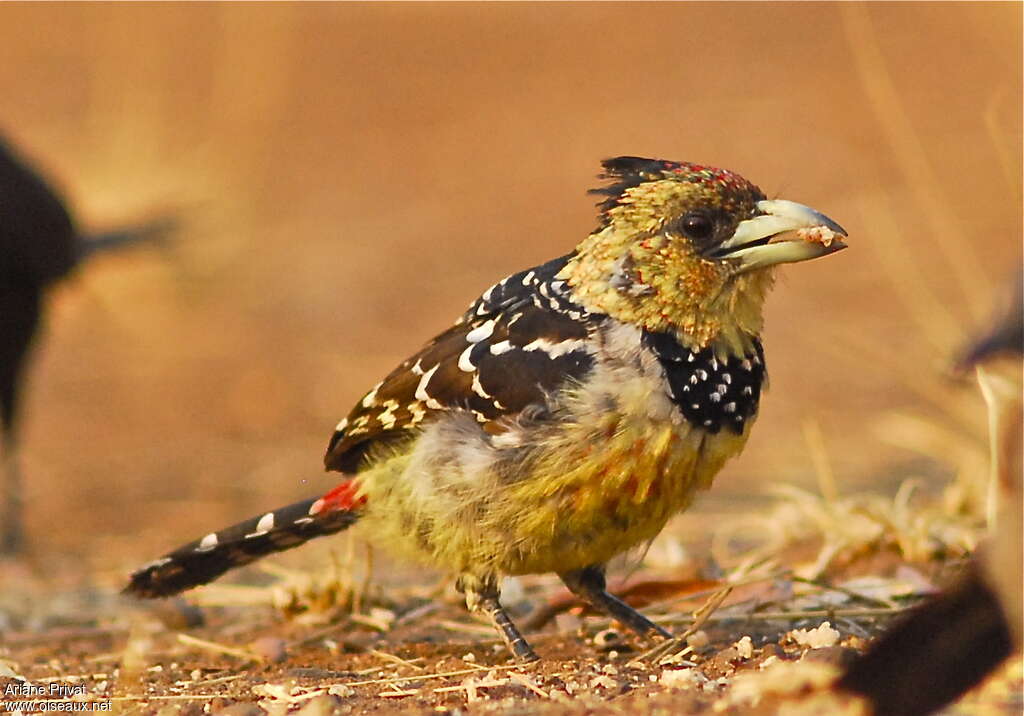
x=206, y=559
x=155, y=231
x=937, y=653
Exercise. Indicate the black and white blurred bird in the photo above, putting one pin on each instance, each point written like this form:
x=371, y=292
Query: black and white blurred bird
x=952, y=642
x=40, y=244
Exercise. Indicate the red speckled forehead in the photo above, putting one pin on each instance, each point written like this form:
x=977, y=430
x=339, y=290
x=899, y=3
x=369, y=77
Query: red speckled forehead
x=700, y=174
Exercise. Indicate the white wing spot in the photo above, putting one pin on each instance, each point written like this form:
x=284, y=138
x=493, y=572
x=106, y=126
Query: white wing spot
x=730, y=407
x=481, y=332
x=417, y=368
x=479, y=389
x=341, y=426
x=371, y=398
x=464, y=362
x=528, y=278
x=554, y=350
x=421, y=387
x=747, y=390
x=498, y=348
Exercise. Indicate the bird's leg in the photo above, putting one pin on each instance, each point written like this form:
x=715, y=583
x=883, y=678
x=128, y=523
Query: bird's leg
x=588, y=584
x=11, y=541
x=483, y=595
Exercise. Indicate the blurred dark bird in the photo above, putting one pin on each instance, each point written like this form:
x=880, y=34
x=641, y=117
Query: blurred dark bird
x=39, y=244
x=953, y=641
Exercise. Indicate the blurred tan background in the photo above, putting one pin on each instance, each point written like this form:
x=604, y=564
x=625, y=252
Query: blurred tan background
x=353, y=175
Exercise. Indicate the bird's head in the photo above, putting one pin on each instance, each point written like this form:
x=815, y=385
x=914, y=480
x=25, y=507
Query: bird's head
x=690, y=249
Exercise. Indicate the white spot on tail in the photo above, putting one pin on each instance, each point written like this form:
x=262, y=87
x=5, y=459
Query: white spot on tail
x=266, y=523
x=207, y=543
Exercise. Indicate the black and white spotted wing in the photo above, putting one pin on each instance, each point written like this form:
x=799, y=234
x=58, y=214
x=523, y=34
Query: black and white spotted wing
x=516, y=344
x=710, y=392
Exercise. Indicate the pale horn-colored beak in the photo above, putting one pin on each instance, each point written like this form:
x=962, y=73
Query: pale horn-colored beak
x=784, y=232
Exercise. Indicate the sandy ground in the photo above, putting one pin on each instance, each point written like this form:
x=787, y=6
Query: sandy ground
x=352, y=175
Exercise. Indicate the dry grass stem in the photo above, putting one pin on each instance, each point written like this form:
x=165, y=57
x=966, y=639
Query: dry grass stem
x=216, y=648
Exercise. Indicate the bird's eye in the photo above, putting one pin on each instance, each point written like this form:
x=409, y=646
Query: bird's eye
x=697, y=225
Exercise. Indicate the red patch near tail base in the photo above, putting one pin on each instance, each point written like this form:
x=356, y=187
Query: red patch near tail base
x=344, y=497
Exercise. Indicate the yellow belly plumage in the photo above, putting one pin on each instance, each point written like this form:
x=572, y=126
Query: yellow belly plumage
x=603, y=477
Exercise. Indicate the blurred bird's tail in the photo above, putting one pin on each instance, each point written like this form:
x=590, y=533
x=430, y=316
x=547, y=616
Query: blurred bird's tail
x=207, y=558
x=155, y=231
x=942, y=649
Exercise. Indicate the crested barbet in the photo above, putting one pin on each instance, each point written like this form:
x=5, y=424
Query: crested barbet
x=569, y=412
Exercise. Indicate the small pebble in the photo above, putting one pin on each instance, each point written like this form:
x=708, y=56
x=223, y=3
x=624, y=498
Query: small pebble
x=698, y=640
x=323, y=705
x=745, y=647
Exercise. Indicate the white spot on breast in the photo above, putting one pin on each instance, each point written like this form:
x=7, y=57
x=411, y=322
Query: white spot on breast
x=707, y=423
x=702, y=374
x=715, y=398
x=693, y=380
x=207, y=543
x=730, y=407
x=714, y=364
x=745, y=364
x=690, y=358
x=484, y=330
x=695, y=406
x=747, y=390
x=421, y=387
x=464, y=362
x=498, y=348
x=727, y=378
x=721, y=389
